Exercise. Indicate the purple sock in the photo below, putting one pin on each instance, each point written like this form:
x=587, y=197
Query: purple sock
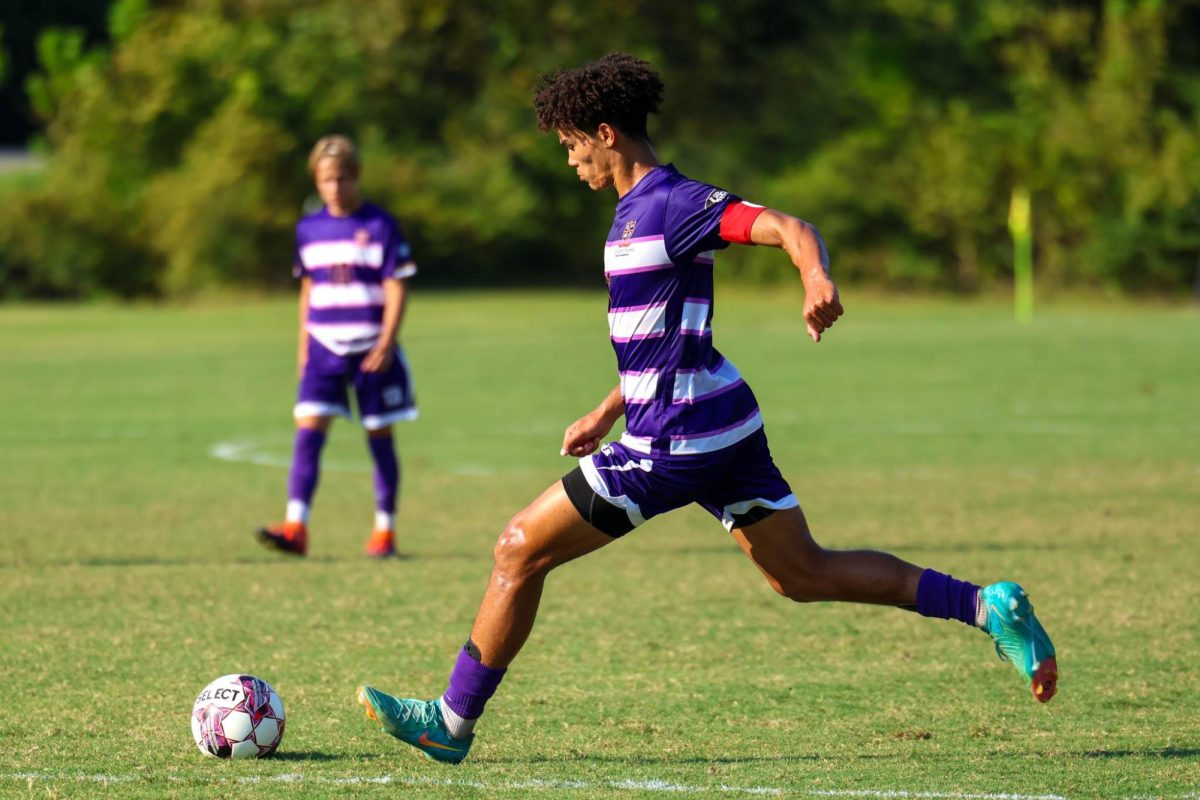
x=941, y=596
x=387, y=472
x=306, y=465
x=471, y=685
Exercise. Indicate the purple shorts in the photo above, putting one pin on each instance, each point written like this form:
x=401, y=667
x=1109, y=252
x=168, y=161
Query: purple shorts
x=383, y=397
x=738, y=485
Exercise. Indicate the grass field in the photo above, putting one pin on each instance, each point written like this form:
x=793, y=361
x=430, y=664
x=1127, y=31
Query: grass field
x=144, y=444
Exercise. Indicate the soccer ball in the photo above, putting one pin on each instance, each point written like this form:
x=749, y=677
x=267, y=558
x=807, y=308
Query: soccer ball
x=237, y=716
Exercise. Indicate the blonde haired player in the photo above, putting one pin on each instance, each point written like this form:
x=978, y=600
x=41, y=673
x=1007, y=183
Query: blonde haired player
x=352, y=260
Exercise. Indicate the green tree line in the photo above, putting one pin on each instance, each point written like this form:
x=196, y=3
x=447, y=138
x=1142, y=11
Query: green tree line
x=175, y=153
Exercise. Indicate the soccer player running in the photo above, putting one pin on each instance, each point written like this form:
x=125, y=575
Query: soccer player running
x=694, y=433
x=352, y=261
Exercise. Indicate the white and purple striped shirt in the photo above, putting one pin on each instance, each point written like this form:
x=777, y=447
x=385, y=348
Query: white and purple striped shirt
x=347, y=259
x=681, y=395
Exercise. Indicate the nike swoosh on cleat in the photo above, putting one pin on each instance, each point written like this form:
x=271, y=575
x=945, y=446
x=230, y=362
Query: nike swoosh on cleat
x=425, y=741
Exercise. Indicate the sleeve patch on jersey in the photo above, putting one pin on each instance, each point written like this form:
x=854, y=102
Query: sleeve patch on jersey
x=714, y=197
x=738, y=220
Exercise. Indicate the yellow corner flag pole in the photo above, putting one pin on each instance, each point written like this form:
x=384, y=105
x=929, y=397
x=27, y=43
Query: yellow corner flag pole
x=1022, y=236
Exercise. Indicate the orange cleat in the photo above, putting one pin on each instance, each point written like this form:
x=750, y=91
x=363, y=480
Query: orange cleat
x=381, y=544
x=286, y=537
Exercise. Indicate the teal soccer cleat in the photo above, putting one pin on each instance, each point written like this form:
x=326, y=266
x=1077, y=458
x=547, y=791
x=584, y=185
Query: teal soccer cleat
x=415, y=722
x=1020, y=638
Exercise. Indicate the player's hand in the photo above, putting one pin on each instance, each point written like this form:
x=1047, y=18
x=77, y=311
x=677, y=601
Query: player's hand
x=583, y=436
x=379, y=359
x=301, y=362
x=821, y=305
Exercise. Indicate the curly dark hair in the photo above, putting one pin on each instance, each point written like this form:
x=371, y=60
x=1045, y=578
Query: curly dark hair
x=619, y=89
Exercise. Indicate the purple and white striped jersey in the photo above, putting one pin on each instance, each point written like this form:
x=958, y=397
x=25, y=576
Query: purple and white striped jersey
x=681, y=396
x=348, y=259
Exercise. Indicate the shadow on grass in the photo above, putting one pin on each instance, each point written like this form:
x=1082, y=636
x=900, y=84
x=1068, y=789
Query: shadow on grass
x=165, y=561
x=956, y=547
x=115, y=561
x=965, y=547
x=265, y=561
x=666, y=760
x=798, y=758
x=1166, y=752
x=305, y=755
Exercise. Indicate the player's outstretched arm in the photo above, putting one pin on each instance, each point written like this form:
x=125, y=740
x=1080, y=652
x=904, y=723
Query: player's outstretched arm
x=584, y=435
x=803, y=243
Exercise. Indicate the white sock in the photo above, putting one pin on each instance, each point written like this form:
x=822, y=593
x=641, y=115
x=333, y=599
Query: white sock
x=297, y=511
x=385, y=521
x=456, y=726
x=980, y=611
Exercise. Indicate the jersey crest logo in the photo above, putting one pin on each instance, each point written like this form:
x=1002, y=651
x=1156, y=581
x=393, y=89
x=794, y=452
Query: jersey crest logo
x=627, y=233
x=714, y=197
x=362, y=237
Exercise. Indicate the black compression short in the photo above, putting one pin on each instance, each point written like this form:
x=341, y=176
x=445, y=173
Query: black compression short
x=599, y=513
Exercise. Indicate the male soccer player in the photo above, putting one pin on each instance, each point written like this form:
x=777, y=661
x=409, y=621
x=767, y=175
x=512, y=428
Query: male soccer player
x=694, y=433
x=352, y=261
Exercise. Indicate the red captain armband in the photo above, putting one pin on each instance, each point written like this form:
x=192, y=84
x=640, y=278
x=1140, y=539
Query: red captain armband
x=737, y=220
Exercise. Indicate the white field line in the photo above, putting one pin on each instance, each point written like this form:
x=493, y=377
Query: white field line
x=249, y=451
x=668, y=787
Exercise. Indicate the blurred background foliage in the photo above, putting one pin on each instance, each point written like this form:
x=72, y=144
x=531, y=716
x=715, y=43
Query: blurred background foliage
x=175, y=132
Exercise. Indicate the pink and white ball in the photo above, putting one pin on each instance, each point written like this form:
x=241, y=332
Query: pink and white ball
x=238, y=716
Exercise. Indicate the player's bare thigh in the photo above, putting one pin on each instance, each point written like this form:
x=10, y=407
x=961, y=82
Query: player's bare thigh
x=320, y=423
x=380, y=433
x=546, y=533
x=783, y=549
x=781, y=546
